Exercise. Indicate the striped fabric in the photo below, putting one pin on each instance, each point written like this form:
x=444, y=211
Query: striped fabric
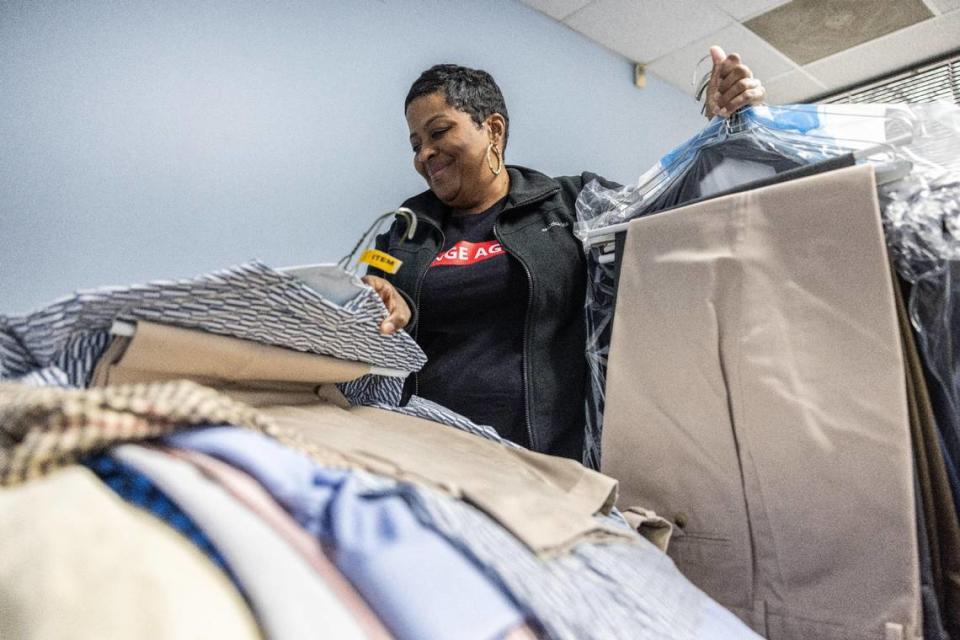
x=15, y=358
x=46, y=377
x=373, y=390
x=594, y=591
x=250, y=301
x=42, y=428
x=598, y=590
x=428, y=410
x=380, y=392
x=80, y=354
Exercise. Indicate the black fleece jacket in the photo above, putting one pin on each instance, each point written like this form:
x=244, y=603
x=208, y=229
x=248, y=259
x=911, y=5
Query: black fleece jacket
x=536, y=228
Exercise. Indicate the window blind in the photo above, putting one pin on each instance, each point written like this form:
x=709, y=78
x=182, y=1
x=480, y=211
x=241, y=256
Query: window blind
x=939, y=80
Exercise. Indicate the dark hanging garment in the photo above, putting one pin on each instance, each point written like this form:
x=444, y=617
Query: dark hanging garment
x=935, y=497
x=721, y=167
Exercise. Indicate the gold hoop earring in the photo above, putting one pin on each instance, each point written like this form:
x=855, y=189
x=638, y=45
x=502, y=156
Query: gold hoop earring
x=499, y=168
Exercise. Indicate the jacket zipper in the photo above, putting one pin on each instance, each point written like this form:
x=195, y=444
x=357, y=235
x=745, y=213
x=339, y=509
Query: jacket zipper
x=528, y=392
x=416, y=297
x=526, y=325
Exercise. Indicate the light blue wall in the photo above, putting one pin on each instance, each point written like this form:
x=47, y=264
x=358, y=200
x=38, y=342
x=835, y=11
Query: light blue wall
x=143, y=139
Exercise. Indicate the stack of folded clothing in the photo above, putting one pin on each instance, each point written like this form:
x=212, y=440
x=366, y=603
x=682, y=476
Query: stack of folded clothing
x=226, y=457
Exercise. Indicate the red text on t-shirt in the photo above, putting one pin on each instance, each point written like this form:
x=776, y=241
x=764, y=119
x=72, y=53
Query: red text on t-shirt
x=465, y=253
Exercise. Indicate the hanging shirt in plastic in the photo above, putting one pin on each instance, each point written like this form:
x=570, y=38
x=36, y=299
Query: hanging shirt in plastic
x=721, y=166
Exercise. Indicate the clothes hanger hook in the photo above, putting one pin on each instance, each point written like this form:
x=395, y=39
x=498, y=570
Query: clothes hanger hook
x=411, y=217
x=408, y=216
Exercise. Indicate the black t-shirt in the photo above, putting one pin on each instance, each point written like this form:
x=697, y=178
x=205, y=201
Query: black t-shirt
x=473, y=302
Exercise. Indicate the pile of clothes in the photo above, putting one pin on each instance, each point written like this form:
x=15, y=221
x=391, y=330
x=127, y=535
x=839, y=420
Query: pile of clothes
x=227, y=457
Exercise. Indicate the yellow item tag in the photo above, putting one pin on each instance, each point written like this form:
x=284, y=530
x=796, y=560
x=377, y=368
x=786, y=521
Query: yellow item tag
x=381, y=260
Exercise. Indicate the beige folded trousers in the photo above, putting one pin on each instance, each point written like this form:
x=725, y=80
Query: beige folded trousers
x=756, y=396
x=547, y=502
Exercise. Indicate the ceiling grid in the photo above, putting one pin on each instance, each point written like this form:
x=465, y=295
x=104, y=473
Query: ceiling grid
x=799, y=48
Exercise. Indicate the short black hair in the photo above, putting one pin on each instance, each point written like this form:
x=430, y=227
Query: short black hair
x=472, y=91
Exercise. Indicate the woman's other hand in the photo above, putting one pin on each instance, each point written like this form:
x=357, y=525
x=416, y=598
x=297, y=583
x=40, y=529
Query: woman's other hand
x=731, y=86
x=398, y=312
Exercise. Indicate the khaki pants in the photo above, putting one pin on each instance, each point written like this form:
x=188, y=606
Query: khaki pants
x=756, y=396
x=547, y=502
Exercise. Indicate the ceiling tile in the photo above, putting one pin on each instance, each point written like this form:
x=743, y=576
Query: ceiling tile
x=643, y=30
x=677, y=67
x=743, y=9
x=945, y=6
x=808, y=30
x=792, y=87
x=927, y=39
x=558, y=9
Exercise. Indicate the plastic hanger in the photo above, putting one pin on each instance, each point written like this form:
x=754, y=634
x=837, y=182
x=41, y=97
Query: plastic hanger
x=793, y=136
x=407, y=215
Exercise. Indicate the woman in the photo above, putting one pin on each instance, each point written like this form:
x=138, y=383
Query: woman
x=494, y=273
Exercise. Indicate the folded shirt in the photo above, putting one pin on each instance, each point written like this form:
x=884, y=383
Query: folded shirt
x=254, y=496
x=421, y=586
x=250, y=301
x=290, y=599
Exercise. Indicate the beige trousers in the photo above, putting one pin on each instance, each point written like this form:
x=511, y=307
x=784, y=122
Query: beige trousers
x=756, y=395
x=547, y=502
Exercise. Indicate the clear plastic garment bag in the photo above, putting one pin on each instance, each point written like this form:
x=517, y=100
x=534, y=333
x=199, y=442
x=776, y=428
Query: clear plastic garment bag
x=921, y=217
x=911, y=146
x=712, y=272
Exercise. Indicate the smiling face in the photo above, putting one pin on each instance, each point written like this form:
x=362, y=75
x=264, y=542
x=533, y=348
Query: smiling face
x=450, y=152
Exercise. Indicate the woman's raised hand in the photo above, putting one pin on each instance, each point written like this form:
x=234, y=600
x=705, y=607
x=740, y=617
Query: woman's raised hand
x=731, y=86
x=398, y=312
